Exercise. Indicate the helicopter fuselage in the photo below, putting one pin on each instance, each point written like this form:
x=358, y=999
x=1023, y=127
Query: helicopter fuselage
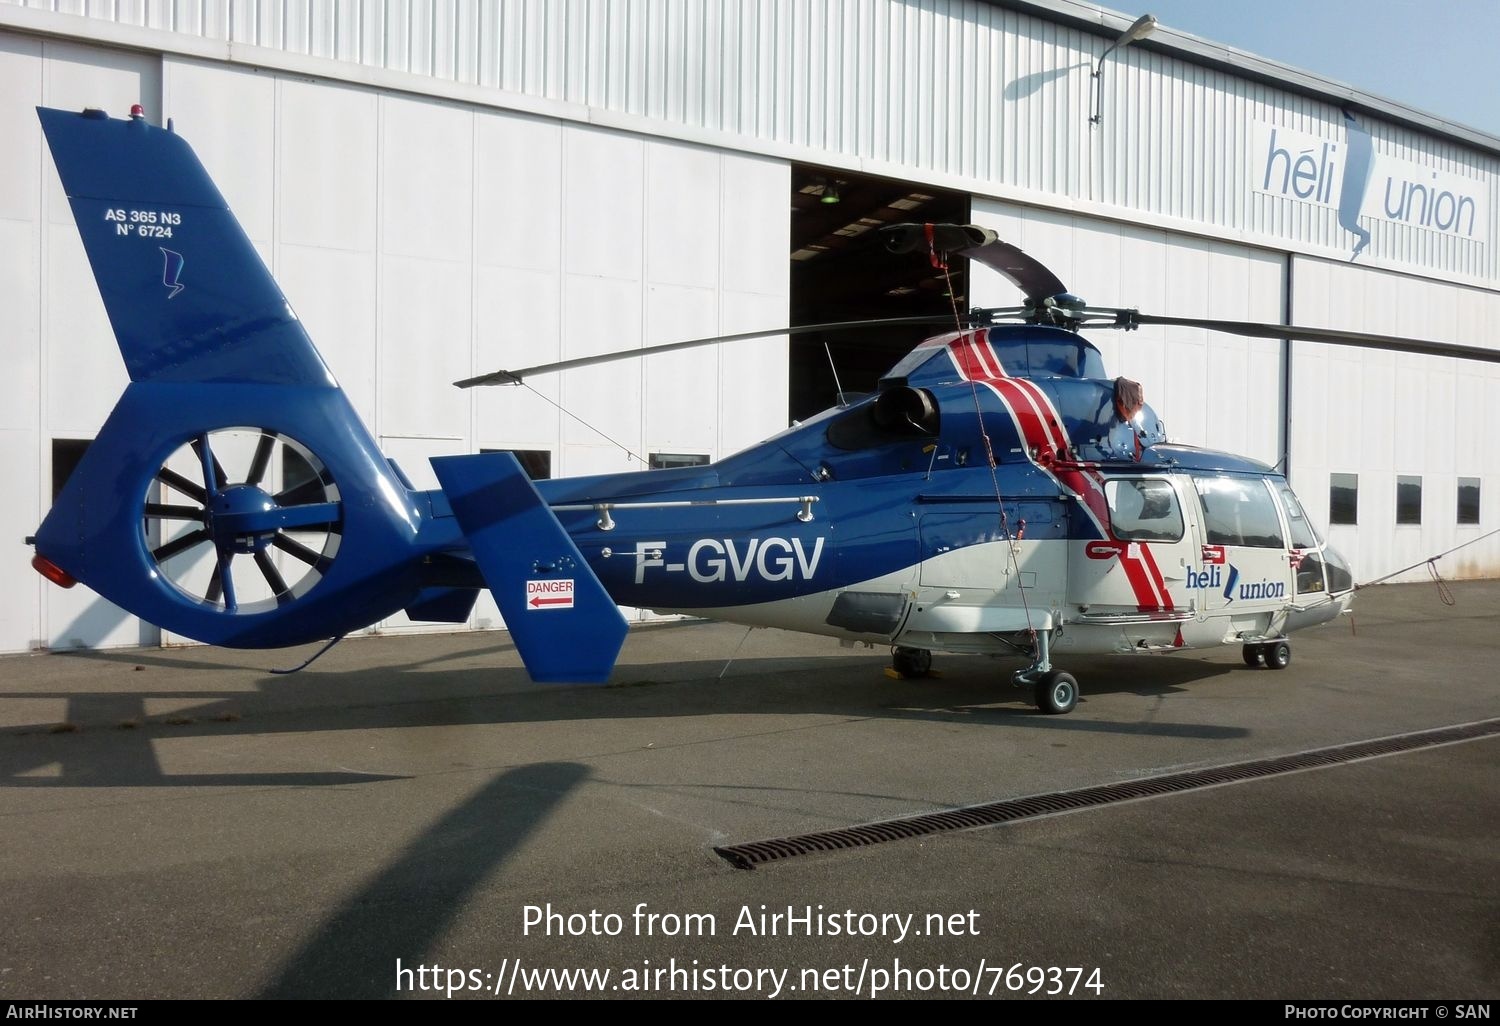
x=963, y=508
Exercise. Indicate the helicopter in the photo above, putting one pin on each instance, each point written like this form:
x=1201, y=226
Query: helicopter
x=998, y=494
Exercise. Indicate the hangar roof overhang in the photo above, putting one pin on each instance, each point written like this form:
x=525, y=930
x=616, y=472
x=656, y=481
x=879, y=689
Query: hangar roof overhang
x=1222, y=57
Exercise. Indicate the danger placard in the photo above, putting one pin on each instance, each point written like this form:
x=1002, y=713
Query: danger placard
x=549, y=594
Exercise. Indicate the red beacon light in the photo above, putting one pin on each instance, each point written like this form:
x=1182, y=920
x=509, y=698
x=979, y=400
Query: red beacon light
x=137, y=112
x=50, y=570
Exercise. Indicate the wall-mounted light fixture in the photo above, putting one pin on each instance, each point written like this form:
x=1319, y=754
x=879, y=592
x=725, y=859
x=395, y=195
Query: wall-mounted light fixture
x=1139, y=29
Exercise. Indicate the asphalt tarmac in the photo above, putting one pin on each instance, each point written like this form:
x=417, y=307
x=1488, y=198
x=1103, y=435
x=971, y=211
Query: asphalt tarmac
x=181, y=823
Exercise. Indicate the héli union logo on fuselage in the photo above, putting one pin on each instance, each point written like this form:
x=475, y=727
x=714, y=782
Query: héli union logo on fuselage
x=1212, y=576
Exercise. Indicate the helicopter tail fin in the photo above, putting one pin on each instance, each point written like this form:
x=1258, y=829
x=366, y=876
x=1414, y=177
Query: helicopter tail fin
x=187, y=294
x=233, y=495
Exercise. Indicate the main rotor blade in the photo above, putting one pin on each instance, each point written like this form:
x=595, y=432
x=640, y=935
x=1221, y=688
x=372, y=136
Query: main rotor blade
x=1027, y=273
x=515, y=377
x=1330, y=336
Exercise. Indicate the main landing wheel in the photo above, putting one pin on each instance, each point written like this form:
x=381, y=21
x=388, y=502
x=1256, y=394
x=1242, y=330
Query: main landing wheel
x=1056, y=692
x=911, y=662
x=1278, y=654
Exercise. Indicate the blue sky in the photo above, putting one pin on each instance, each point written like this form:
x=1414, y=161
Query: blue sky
x=1439, y=56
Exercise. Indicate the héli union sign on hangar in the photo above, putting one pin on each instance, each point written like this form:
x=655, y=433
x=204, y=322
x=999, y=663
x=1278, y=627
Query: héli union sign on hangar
x=1350, y=177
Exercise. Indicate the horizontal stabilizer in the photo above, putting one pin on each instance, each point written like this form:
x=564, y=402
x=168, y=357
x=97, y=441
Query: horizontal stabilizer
x=564, y=624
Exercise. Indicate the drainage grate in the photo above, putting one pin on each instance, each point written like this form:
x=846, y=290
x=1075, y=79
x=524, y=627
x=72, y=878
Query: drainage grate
x=748, y=856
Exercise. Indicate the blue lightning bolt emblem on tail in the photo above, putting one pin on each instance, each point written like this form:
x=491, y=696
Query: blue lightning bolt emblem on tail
x=171, y=272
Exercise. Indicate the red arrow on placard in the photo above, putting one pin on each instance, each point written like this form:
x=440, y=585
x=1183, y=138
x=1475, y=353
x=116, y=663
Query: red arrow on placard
x=552, y=602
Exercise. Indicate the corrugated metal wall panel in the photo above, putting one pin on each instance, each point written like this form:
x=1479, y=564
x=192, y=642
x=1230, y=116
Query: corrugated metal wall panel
x=945, y=87
x=1380, y=415
x=942, y=88
x=936, y=87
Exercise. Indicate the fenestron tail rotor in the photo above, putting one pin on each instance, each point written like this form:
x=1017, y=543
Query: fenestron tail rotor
x=244, y=519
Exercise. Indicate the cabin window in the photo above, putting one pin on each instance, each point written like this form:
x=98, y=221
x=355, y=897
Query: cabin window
x=1468, y=500
x=1238, y=511
x=668, y=460
x=1143, y=509
x=1408, y=499
x=1343, y=499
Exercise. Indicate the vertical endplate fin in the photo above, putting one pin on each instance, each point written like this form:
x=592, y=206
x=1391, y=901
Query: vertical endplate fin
x=564, y=624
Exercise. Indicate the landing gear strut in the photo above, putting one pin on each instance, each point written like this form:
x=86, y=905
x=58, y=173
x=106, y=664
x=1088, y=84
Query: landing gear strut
x=1054, y=691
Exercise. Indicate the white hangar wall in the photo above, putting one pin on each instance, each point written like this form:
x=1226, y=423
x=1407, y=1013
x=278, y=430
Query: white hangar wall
x=1381, y=416
x=420, y=241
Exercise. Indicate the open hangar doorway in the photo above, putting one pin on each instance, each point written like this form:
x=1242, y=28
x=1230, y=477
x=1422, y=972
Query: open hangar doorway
x=841, y=271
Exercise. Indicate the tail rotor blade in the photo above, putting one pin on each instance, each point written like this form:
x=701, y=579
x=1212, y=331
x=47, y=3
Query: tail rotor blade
x=226, y=577
x=164, y=511
x=260, y=460
x=191, y=489
x=270, y=573
x=179, y=545
x=295, y=548
x=214, y=477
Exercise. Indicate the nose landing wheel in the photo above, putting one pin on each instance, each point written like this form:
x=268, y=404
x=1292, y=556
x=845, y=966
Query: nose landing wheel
x=1056, y=692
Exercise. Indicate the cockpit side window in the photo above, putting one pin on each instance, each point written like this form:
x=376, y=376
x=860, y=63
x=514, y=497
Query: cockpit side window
x=1143, y=509
x=1238, y=511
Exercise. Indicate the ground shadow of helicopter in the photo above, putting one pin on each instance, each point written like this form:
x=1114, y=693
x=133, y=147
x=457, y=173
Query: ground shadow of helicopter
x=400, y=914
x=369, y=698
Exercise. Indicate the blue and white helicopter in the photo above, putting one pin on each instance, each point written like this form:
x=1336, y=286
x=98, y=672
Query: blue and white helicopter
x=998, y=494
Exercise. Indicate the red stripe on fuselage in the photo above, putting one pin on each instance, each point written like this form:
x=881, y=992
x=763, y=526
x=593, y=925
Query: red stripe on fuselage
x=1155, y=575
x=966, y=356
x=1041, y=429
